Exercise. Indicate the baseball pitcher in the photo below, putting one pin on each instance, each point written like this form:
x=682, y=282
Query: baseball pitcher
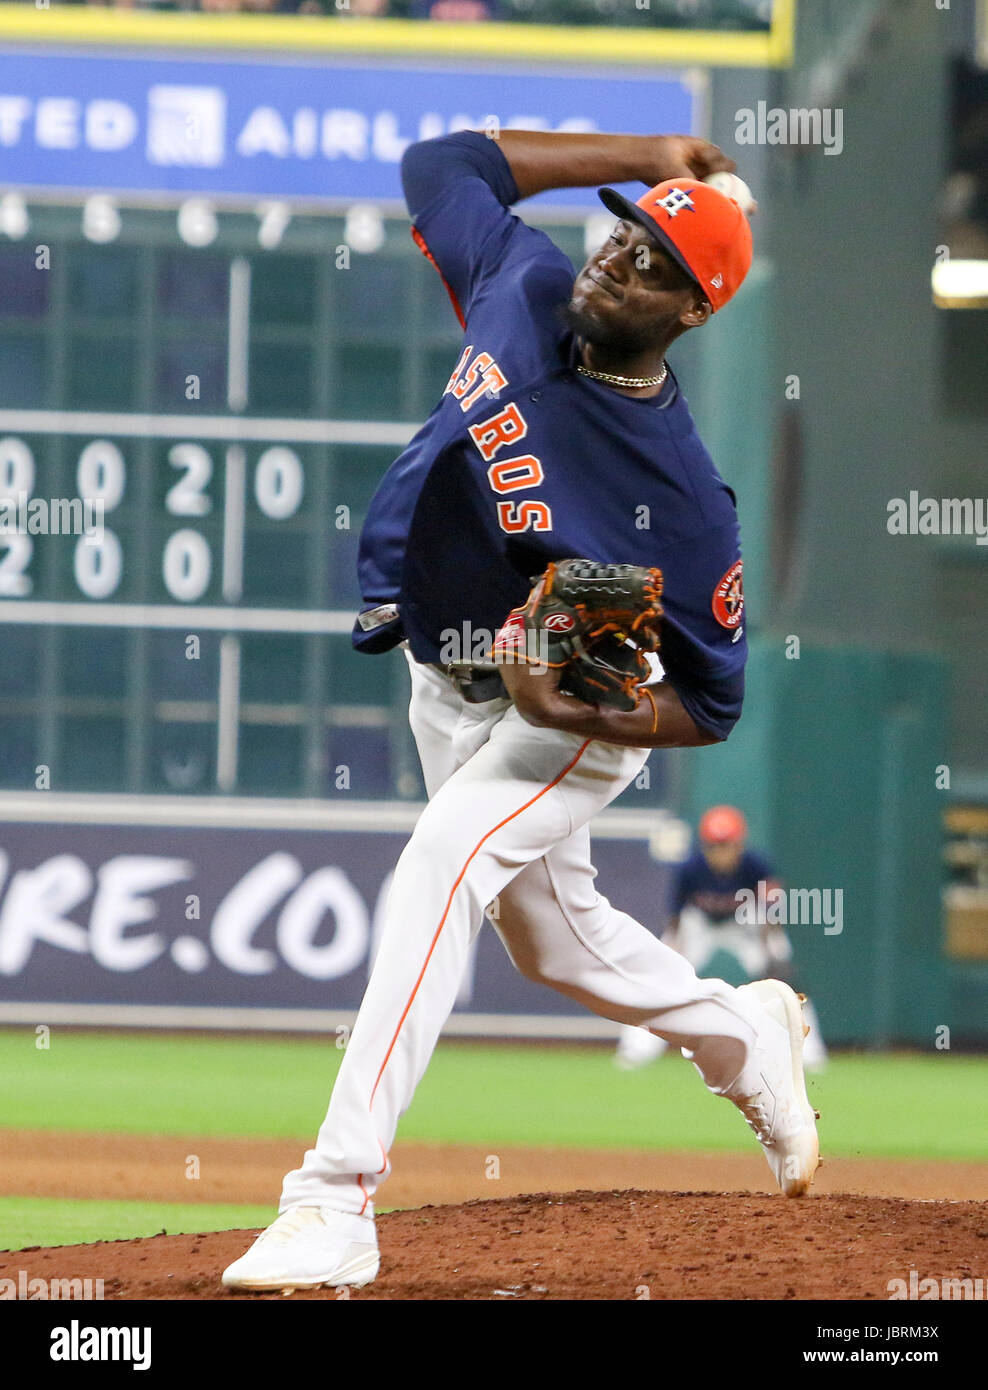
x=559, y=558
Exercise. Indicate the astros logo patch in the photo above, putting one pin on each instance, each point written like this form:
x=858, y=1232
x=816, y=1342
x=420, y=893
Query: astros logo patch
x=675, y=201
x=728, y=599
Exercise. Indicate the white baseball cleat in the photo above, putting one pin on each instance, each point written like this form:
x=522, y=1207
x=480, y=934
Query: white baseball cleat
x=306, y=1247
x=771, y=1092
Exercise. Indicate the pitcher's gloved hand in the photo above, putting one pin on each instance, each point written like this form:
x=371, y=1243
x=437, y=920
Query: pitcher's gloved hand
x=593, y=623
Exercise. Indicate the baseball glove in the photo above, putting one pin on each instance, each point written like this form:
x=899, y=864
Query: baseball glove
x=594, y=622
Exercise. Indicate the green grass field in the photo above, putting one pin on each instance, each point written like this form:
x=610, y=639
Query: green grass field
x=901, y=1105
x=27, y=1221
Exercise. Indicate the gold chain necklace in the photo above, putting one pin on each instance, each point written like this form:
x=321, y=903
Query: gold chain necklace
x=613, y=380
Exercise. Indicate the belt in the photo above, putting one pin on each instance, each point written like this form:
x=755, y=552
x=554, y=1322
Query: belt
x=380, y=616
x=475, y=684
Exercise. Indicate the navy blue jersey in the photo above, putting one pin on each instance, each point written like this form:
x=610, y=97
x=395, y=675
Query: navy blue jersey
x=524, y=461
x=697, y=885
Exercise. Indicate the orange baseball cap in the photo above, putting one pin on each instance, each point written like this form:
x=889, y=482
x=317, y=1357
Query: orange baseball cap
x=722, y=825
x=703, y=230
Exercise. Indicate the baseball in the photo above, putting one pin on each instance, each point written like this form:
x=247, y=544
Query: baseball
x=733, y=187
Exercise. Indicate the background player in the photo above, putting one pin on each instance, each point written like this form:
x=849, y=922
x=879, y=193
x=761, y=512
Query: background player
x=559, y=424
x=705, y=926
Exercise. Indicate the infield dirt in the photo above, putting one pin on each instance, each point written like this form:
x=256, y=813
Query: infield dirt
x=587, y=1245
x=156, y=1168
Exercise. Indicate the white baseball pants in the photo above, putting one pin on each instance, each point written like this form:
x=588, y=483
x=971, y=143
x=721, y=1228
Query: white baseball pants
x=700, y=939
x=507, y=819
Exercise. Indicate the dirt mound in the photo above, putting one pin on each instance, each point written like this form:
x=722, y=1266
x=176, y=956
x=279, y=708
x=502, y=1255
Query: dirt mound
x=587, y=1245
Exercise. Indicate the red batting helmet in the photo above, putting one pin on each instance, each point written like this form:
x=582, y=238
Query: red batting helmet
x=722, y=825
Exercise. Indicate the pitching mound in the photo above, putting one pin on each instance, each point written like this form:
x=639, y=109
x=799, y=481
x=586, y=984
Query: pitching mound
x=587, y=1245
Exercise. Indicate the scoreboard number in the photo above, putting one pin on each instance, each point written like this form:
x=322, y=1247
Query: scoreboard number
x=16, y=478
x=15, y=582
x=98, y=567
x=102, y=474
x=188, y=496
x=279, y=483
x=187, y=562
x=16, y=468
x=187, y=566
x=197, y=224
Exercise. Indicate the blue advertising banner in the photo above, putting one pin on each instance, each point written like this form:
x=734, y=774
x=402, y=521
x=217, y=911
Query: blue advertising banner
x=212, y=925
x=283, y=129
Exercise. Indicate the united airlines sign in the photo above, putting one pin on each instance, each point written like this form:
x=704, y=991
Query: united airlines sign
x=282, y=129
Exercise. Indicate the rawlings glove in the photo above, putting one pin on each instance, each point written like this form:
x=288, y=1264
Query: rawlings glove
x=594, y=622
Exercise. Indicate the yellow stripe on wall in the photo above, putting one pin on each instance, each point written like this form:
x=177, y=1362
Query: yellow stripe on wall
x=402, y=37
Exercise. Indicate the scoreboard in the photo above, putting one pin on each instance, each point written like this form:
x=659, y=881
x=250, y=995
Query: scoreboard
x=198, y=640
x=228, y=387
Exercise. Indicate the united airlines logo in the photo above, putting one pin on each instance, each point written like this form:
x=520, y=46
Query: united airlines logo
x=186, y=126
